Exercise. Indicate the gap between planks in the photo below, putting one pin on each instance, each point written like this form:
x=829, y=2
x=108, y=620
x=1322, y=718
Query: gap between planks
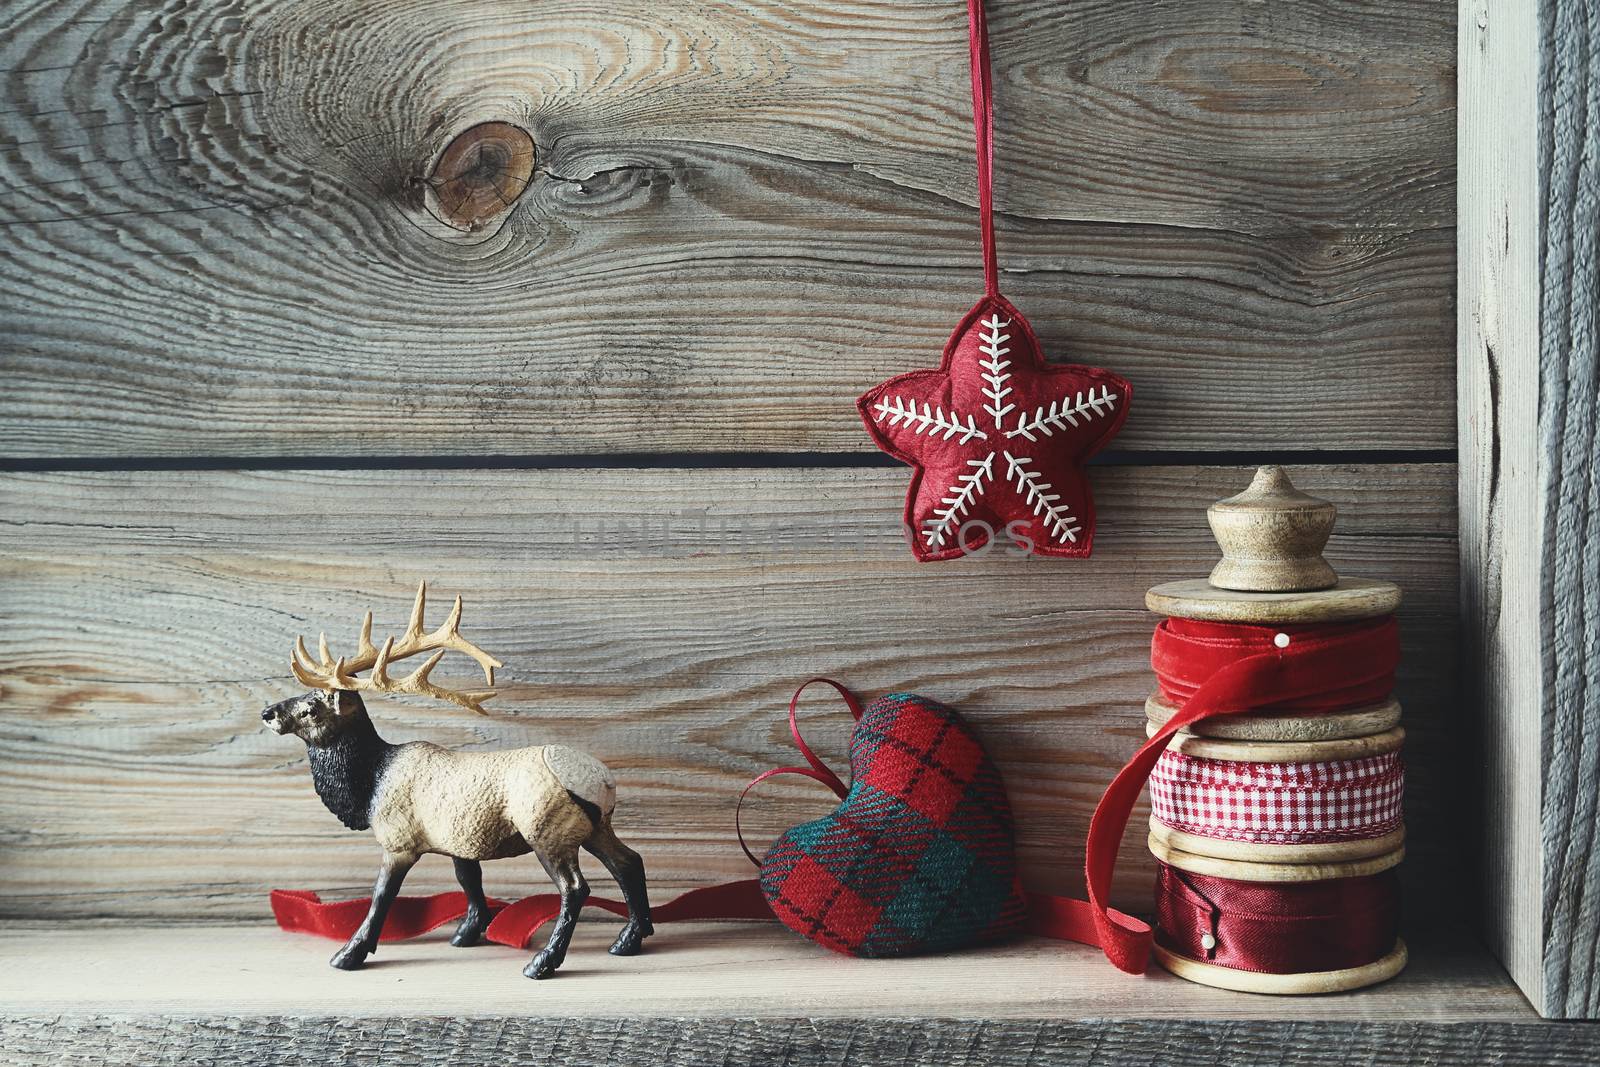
x=693, y=460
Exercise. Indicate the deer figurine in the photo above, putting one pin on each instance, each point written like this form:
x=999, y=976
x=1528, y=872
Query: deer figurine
x=419, y=798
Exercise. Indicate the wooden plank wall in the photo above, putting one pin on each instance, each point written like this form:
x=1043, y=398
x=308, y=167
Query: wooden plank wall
x=253, y=384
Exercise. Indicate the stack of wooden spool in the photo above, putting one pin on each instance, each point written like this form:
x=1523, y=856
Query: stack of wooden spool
x=1273, y=574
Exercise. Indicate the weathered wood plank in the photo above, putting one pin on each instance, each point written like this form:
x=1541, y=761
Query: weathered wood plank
x=1569, y=600
x=219, y=239
x=701, y=970
x=178, y=1041
x=657, y=618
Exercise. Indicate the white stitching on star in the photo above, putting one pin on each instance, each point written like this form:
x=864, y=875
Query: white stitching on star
x=932, y=418
x=1038, y=494
x=1061, y=413
x=958, y=498
x=995, y=368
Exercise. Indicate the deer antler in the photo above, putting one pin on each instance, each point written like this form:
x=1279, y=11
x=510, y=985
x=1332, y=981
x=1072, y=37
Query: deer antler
x=326, y=672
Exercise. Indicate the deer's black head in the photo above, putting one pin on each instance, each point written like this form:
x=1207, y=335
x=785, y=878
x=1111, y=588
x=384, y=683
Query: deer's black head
x=317, y=717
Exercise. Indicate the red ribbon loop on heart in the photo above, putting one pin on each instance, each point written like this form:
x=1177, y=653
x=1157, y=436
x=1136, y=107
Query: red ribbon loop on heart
x=1219, y=669
x=818, y=770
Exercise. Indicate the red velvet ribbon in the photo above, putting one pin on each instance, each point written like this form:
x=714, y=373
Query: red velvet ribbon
x=1224, y=668
x=1185, y=654
x=1278, y=927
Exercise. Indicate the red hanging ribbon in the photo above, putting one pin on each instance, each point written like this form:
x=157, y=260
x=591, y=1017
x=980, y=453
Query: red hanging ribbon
x=1218, y=669
x=983, y=129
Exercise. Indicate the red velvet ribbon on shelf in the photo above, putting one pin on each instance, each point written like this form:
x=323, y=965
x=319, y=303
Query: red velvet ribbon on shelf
x=1227, y=668
x=1278, y=927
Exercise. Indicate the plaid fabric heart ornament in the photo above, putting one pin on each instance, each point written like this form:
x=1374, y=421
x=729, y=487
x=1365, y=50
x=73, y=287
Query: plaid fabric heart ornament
x=919, y=856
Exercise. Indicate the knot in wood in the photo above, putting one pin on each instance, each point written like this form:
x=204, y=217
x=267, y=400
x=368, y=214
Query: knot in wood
x=481, y=174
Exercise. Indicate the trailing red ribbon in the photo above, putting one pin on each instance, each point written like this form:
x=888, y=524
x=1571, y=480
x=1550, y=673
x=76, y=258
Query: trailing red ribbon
x=1223, y=668
x=1278, y=927
x=513, y=924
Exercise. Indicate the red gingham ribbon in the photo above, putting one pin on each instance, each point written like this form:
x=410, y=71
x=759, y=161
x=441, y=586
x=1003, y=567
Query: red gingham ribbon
x=1279, y=803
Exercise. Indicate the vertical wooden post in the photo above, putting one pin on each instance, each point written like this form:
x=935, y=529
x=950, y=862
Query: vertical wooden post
x=1569, y=386
x=1497, y=342
x=1528, y=118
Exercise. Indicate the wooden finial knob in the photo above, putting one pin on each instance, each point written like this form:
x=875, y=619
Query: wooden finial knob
x=1272, y=536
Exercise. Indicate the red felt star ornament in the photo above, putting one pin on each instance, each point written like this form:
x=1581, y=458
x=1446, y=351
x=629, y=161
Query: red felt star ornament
x=998, y=438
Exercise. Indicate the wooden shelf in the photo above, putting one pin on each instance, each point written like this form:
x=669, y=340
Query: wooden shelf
x=115, y=993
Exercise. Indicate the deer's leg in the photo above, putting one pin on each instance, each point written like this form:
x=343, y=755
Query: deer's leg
x=470, y=874
x=364, y=942
x=563, y=871
x=628, y=869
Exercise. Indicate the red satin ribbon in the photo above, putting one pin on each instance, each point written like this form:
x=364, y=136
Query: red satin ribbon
x=1217, y=669
x=302, y=911
x=1278, y=927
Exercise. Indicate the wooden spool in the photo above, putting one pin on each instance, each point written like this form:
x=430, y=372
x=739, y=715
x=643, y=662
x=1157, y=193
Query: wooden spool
x=1261, y=852
x=1311, y=982
x=1281, y=871
x=1252, y=751
x=1350, y=600
x=1272, y=572
x=1287, y=726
